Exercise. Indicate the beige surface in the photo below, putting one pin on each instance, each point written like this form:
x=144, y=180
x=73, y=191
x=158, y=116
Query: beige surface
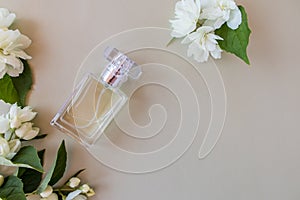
x=257, y=156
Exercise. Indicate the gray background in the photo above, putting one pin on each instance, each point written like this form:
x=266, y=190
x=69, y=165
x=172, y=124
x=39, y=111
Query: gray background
x=257, y=156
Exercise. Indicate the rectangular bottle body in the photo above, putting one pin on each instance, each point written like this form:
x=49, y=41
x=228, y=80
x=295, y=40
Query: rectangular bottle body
x=89, y=110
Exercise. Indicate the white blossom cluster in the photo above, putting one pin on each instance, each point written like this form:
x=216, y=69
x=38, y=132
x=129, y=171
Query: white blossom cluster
x=196, y=21
x=15, y=124
x=12, y=45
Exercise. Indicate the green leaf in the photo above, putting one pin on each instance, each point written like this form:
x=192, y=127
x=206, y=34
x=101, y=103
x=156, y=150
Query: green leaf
x=61, y=164
x=31, y=178
x=56, y=167
x=12, y=189
x=23, y=83
x=8, y=92
x=6, y=162
x=236, y=41
x=28, y=155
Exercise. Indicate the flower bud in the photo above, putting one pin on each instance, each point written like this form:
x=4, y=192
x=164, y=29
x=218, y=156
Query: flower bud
x=47, y=192
x=52, y=196
x=85, y=188
x=73, y=182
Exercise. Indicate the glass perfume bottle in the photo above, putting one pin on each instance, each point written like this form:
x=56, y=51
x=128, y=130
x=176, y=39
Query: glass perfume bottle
x=95, y=101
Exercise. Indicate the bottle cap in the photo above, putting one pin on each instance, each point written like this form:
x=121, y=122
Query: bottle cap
x=119, y=68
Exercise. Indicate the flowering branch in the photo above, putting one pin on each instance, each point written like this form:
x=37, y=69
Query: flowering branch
x=21, y=167
x=209, y=27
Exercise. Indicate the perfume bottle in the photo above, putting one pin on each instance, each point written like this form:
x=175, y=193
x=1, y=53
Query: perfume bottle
x=95, y=101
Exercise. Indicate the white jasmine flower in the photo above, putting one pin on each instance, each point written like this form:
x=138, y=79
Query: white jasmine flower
x=52, y=196
x=12, y=45
x=26, y=131
x=18, y=115
x=220, y=12
x=6, y=18
x=11, y=65
x=74, y=182
x=47, y=192
x=202, y=43
x=4, y=147
x=1, y=180
x=187, y=14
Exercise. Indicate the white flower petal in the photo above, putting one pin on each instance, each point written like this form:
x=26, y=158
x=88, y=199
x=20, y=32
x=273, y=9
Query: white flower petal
x=2, y=73
x=235, y=19
x=19, y=116
x=220, y=12
x=6, y=18
x=2, y=69
x=27, y=132
x=211, y=13
x=187, y=13
x=22, y=131
x=26, y=114
x=32, y=134
x=13, y=116
x=4, y=124
x=73, y=194
x=4, y=147
x=13, y=72
x=12, y=45
x=4, y=107
x=14, y=145
x=202, y=43
x=216, y=53
x=197, y=52
x=14, y=66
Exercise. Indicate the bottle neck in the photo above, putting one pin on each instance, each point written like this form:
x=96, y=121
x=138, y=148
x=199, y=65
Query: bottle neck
x=116, y=72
